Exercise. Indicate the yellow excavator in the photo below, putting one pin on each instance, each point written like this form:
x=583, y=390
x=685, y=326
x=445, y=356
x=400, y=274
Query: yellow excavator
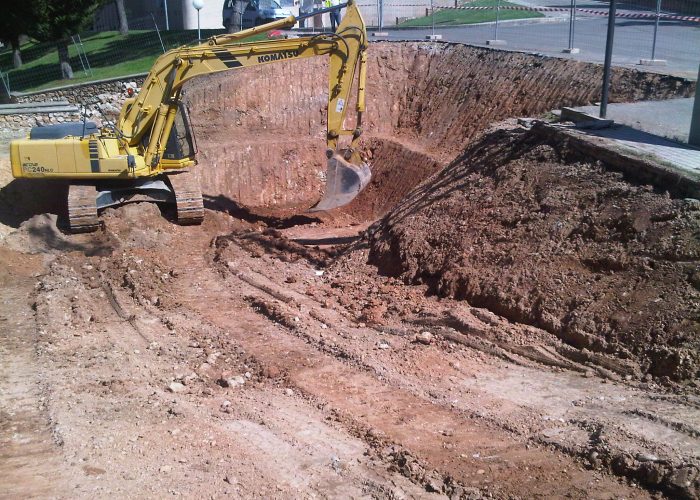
x=148, y=154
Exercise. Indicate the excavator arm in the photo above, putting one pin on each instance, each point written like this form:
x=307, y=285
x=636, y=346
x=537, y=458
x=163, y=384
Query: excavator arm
x=146, y=120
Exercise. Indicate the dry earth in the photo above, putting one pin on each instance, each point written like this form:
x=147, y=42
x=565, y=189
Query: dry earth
x=265, y=355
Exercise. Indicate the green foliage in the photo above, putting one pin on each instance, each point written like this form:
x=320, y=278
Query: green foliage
x=110, y=55
x=449, y=17
x=14, y=23
x=17, y=21
x=59, y=19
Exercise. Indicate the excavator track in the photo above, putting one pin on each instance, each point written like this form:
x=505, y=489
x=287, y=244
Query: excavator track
x=82, y=208
x=188, y=197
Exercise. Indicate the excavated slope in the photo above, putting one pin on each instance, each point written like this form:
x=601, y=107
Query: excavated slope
x=526, y=226
x=261, y=130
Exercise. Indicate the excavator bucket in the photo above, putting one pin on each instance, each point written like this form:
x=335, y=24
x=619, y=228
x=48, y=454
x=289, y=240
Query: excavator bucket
x=344, y=181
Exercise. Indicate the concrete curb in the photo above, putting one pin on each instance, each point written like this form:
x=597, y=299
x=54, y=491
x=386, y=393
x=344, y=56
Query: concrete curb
x=510, y=22
x=677, y=181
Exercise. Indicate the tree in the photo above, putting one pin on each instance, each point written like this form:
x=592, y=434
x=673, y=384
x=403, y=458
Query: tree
x=58, y=20
x=121, y=13
x=14, y=23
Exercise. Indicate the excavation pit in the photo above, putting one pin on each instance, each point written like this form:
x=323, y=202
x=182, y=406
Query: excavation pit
x=510, y=274
x=261, y=131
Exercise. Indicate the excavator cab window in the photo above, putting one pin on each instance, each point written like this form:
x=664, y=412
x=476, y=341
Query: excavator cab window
x=181, y=143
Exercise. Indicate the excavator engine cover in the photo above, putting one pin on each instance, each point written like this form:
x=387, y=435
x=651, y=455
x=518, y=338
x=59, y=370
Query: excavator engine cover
x=344, y=181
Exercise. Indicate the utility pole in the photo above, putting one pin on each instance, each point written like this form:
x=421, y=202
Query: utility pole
x=694, y=135
x=608, y=58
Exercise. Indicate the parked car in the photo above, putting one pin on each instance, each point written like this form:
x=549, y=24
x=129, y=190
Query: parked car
x=264, y=11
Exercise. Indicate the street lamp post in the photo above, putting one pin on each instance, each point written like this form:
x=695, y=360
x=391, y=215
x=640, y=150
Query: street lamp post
x=607, y=70
x=198, y=4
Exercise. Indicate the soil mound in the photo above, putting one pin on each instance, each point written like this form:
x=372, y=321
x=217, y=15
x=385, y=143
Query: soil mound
x=523, y=226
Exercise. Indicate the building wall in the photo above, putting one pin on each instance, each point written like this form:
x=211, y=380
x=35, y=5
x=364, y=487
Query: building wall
x=182, y=15
x=210, y=15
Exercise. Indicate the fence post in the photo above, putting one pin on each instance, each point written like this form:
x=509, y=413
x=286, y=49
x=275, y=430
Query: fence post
x=656, y=29
x=80, y=55
x=433, y=36
x=6, y=82
x=495, y=40
x=380, y=19
x=572, y=26
x=87, y=61
x=498, y=15
x=167, y=21
x=654, y=61
x=608, y=58
x=694, y=135
x=158, y=32
x=381, y=15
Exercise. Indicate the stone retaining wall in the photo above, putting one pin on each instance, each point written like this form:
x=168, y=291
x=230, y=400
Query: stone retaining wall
x=100, y=98
x=77, y=94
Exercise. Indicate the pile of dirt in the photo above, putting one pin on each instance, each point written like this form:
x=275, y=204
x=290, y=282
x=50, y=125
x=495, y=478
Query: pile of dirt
x=524, y=226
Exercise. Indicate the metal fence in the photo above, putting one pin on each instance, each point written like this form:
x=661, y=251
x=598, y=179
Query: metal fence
x=94, y=55
x=663, y=35
x=659, y=34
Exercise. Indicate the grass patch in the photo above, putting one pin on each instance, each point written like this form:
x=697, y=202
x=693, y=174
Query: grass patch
x=454, y=17
x=110, y=55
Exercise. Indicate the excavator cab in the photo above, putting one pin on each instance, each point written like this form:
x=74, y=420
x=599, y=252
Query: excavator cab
x=181, y=141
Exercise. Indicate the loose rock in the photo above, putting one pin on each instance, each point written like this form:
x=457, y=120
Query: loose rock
x=425, y=338
x=176, y=387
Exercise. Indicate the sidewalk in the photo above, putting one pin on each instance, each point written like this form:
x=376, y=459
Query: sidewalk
x=669, y=118
x=654, y=133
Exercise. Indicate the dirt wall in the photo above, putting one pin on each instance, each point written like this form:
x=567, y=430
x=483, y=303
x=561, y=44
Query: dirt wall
x=435, y=97
x=529, y=228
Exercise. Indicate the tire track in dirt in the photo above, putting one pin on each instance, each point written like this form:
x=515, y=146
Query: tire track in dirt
x=436, y=435
x=135, y=436
x=30, y=457
x=581, y=417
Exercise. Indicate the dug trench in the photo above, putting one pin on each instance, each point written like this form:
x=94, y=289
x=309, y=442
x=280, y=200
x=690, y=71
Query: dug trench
x=466, y=328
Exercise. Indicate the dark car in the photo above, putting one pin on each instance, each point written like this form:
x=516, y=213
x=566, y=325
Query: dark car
x=257, y=12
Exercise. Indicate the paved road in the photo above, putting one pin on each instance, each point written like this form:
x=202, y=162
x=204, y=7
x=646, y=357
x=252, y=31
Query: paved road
x=678, y=43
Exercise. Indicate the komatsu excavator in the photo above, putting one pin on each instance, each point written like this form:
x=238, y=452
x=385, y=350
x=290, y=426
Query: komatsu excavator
x=148, y=154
